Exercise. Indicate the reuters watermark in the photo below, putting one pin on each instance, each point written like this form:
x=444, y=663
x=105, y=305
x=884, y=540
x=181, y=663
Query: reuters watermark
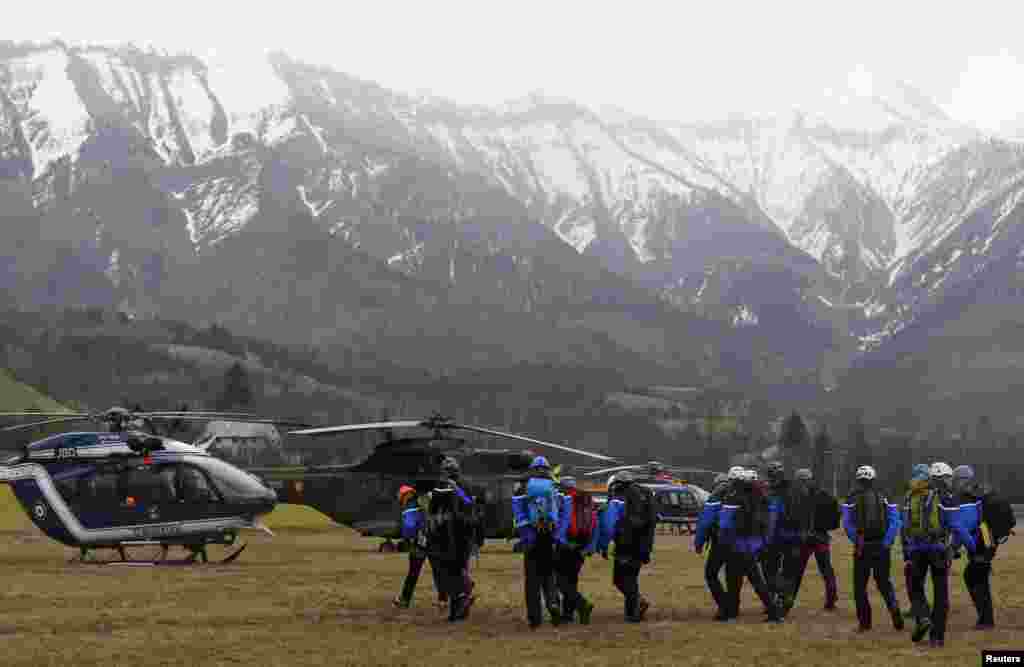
x=1002, y=657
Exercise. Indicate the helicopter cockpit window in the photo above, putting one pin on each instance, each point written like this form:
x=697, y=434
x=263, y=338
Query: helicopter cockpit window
x=233, y=484
x=145, y=486
x=190, y=484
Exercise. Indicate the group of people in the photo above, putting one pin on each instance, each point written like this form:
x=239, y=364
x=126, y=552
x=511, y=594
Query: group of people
x=558, y=526
x=763, y=530
x=766, y=530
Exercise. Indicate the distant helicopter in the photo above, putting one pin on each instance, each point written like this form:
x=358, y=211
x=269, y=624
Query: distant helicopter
x=127, y=488
x=678, y=503
x=363, y=495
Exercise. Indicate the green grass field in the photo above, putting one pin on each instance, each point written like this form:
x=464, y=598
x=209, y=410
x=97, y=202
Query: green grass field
x=321, y=595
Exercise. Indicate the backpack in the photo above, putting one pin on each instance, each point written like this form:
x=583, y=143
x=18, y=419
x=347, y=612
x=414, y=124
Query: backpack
x=447, y=523
x=798, y=509
x=542, y=504
x=827, y=516
x=872, y=515
x=751, y=514
x=923, y=520
x=582, y=517
x=997, y=513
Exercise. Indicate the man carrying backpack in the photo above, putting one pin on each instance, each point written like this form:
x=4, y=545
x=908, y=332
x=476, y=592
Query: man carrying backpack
x=629, y=521
x=707, y=534
x=536, y=512
x=578, y=524
x=872, y=524
x=825, y=518
x=745, y=525
x=984, y=521
x=451, y=533
x=413, y=529
x=781, y=556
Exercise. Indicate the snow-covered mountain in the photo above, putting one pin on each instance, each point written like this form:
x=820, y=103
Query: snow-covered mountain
x=824, y=220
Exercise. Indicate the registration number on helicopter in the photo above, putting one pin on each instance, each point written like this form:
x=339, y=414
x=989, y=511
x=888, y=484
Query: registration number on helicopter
x=157, y=531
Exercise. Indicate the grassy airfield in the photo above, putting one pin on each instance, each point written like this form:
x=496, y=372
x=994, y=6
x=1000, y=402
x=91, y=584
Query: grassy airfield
x=316, y=594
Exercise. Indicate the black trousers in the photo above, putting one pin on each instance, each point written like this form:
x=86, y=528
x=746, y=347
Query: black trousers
x=625, y=576
x=873, y=561
x=718, y=557
x=771, y=565
x=539, y=571
x=743, y=565
x=412, y=577
x=921, y=563
x=568, y=563
x=978, y=578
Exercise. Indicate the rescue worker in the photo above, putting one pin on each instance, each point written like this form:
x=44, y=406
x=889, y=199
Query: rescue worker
x=569, y=552
x=629, y=520
x=414, y=534
x=983, y=520
x=707, y=535
x=826, y=517
x=536, y=512
x=917, y=486
x=745, y=525
x=451, y=531
x=929, y=514
x=781, y=556
x=871, y=523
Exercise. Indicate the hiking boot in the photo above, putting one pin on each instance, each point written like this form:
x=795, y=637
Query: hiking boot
x=921, y=629
x=401, y=602
x=556, y=615
x=897, y=619
x=721, y=616
x=466, y=606
x=830, y=605
x=861, y=629
x=586, y=608
x=642, y=608
x=936, y=643
x=982, y=625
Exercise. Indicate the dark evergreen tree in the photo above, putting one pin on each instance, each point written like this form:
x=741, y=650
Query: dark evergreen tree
x=237, y=389
x=860, y=449
x=794, y=439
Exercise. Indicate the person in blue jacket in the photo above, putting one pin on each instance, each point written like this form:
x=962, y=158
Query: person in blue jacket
x=452, y=530
x=928, y=516
x=414, y=535
x=629, y=520
x=536, y=511
x=872, y=524
x=745, y=525
x=981, y=546
x=707, y=535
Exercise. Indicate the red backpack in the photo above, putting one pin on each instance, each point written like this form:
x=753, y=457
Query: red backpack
x=582, y=518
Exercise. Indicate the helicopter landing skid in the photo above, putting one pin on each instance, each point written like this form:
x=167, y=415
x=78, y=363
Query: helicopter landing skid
x=197, y=556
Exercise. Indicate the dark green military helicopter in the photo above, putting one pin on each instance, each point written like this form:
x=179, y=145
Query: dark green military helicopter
x=363, y=495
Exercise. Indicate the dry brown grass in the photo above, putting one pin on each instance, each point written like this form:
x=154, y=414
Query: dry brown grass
x=322, y=596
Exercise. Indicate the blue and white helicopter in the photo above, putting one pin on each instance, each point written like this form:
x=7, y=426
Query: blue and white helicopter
x=128, y=488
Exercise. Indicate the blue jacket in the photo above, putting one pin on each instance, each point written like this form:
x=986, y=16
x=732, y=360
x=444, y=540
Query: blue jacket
x=850, y=521
x=413, y=522
x=607, y=523
x=707, y=522
x=965, y=523
x=708, y=519
x=948, y=513
x=777, y=508
x=746, y=544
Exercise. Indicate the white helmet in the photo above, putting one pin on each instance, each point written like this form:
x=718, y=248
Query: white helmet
x=940, y=469
x=865, y=472
x=750, y=475
x=736, y=473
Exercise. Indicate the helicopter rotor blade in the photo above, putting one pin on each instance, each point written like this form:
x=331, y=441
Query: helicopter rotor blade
x=47, y=422
x=31, y=413
x=350, y=428
x=606, y=471
x=185, y=416
x=543, y=443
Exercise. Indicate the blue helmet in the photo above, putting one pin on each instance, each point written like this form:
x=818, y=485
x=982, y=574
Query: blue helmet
x=539, y=462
